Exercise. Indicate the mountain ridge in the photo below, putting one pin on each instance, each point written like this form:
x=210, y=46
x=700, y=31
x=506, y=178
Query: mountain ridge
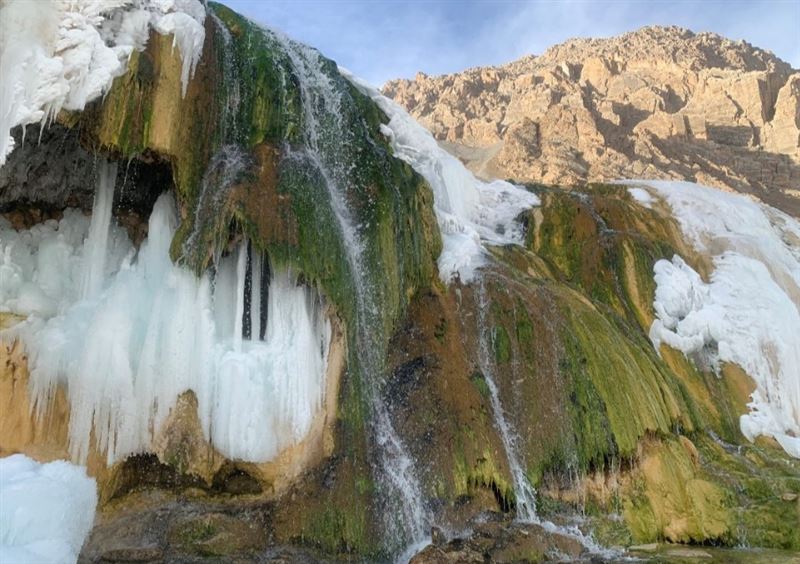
x=659, y=102
x=551, y=53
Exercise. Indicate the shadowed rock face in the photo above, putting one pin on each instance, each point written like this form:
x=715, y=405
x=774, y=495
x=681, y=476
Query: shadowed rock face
x=51, y=170
x=655, y=103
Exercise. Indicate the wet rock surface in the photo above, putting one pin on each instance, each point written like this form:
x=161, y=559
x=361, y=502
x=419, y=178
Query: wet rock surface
x=52, y=169
x=157, y=526
x=494, y=538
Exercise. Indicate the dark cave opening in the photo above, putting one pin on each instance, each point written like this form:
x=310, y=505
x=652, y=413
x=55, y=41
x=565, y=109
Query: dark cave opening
x=50, y=170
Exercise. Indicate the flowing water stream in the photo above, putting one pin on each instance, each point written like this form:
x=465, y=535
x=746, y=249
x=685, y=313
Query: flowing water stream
x=523, y=490
x=326, y=143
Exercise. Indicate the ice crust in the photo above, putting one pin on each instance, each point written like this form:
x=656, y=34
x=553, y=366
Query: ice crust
x=748, y=313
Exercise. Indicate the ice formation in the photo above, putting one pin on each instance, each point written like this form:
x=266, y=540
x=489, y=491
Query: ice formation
x=58, y=54
x=128, y=332
x=748, y=313
x=46, y=511
x=642, y=196
x=469, y=211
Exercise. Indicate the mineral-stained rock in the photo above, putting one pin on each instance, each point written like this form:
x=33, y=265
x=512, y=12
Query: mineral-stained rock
x=216, y=534
x=661, y=102
x=501, y=541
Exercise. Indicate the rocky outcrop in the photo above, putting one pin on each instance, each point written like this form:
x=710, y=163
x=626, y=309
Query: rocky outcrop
x=655, y=103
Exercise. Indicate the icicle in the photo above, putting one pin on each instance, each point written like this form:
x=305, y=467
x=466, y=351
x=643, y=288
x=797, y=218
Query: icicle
x=255, y=295
x=241, y=276
x=153, y=330
x=96, y=245
x=56, y=55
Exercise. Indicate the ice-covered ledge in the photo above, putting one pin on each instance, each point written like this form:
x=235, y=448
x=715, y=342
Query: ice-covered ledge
x=60, y=54
x=748, y=312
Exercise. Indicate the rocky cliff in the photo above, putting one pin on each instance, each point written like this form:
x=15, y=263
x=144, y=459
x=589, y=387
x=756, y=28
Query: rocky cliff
x=661, y=102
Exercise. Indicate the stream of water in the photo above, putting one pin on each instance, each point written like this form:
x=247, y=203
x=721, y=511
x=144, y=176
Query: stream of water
x=325, y=137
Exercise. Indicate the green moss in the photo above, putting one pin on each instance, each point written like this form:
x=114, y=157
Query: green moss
x=672, y=498
x=269, y=106
x=196, y=531
x=340, y=530
x=639, y=515
x=479, y=381
x=440, y=332
x=593, y=437
x=484, y=474
x=756, y=478
x=639, y=395
x=524, y=330
x=501, y=345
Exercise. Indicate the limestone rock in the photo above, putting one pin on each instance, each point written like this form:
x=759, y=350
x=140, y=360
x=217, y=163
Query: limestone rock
x=661, y=102
x=216, y=534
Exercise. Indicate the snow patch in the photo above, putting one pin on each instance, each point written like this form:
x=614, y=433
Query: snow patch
x=642, y=196
x=470, y=212
x=748, y=313
x=62, y=54
x=46, y=511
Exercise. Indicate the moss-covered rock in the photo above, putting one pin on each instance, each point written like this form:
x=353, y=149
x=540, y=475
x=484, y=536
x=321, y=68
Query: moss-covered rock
x=670, y=498
x=603, y=423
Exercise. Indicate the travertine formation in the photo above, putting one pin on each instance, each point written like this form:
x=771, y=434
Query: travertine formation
x=661, y=102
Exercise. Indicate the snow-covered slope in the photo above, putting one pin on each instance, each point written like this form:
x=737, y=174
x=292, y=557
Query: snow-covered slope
x=748, y=313
x=58, y=54
x=46, y=511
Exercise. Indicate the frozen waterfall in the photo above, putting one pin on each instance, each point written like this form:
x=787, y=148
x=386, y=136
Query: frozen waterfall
x=127, y=332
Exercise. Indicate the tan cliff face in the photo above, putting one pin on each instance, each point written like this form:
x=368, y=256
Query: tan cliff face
x=661, y=102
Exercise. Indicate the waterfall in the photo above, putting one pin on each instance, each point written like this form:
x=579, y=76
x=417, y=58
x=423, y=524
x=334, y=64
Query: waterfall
x=523, y=490
x=225, y=167
x=470, y=212
x=97, y=240
x=325, y=143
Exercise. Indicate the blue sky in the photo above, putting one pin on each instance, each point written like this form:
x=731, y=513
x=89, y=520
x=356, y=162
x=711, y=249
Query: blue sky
x=383, y=39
